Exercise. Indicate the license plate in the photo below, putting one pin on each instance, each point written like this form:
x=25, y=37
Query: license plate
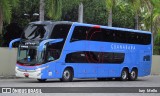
x=26, y=74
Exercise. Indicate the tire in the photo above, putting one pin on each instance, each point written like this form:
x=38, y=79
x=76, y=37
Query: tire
x=42, y=80
x=124, y=75
x=67, y=75
x=101, y=79
x=133, y=75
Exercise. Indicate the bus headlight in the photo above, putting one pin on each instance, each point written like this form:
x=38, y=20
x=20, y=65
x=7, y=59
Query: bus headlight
x=40, y=69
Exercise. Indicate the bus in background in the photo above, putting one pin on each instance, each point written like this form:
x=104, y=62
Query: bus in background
x=68, y=50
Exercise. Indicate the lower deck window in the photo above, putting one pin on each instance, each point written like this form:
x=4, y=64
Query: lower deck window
x=95, y=57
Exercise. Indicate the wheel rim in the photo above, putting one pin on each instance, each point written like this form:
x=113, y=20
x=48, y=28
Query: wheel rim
x=66, y=74
x=133, y=74
x=124, y=75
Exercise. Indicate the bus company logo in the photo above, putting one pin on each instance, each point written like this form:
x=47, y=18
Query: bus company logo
x=6, y=90
x=122, y=47
x=30, y=43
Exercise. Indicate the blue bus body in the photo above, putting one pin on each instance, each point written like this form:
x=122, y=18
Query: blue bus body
x=89, y=57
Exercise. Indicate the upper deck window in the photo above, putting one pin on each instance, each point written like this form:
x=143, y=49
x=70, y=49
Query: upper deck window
x=109, y=35
x=60, y=31
x=34, y=31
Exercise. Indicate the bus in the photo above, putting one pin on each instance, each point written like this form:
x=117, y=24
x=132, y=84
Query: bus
x=66, y=50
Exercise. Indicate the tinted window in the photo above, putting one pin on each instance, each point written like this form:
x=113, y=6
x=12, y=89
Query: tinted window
x=60, y=31
x=53, y=50
x=95, y=57
x=76, y=57
x=35, y=32
x=108, y=35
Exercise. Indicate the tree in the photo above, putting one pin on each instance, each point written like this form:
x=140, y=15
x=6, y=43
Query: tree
x=155, y=17
x=54, y=9
x=41, y=10
x=135, y=5
x=5, y=11
x=123, y=16
x=138, y=6
x=109, y=6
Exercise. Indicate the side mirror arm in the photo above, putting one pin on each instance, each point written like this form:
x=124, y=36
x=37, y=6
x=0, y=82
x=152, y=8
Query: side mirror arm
x=13, y=41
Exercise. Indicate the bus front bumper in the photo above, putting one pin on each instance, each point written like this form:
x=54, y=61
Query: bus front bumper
x=28, y=73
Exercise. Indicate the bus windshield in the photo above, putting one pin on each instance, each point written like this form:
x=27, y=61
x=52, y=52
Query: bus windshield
x=27, y=56
x=31, y=56
x=35, y=32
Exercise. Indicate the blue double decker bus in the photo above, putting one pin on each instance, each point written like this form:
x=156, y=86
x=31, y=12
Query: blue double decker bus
x=68, y=50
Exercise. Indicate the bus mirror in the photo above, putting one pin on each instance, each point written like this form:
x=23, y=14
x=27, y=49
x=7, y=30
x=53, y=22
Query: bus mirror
x=55, y=41
x=13, y=41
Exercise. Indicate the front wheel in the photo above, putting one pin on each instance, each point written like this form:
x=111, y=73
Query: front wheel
x=67, y=75
x=133, y=75
x=124, y=75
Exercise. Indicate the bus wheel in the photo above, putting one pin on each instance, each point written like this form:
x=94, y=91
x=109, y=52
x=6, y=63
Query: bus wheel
x=101, y=79
x=41, y=80
x=133, y=75
x=124, y=75
x=67, y=75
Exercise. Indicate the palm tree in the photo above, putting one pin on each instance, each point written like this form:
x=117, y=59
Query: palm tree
x=109, y=6
x=137, y=6
x=153, y=16
x=53, y=8
x=5, y=11
x=41, y=10
x=156, y=17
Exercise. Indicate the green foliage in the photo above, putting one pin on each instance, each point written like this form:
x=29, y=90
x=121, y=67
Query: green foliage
x=6, y=10
x=123, y=16
x=157, y=44
x=6, y=7
x=25, y=7
x=95, y=12
x=110, y=3
x=54, y=9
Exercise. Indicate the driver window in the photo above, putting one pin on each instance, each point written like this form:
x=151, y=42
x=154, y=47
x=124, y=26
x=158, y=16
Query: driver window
x=51, y=55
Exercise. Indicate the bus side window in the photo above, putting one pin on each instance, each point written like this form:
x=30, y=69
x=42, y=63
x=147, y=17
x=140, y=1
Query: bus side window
x=107, y=57
x=118, y=57
x=110, y=57
x=76, y=57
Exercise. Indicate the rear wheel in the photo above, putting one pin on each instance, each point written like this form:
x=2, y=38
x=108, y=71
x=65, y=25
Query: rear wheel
x=133, y=75
x=41, y=80
x=124, y=75
x=67, y=75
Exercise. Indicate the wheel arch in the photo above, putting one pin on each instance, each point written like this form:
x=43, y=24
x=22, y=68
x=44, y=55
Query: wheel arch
x=135, y=69
x=125, y=68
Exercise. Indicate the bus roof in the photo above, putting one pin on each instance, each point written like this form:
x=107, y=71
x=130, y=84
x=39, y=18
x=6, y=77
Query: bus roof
x=91, y=25
x=51, y=22
x=113, y=28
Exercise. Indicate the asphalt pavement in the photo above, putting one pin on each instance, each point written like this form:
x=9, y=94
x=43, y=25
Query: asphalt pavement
x=150, y=82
